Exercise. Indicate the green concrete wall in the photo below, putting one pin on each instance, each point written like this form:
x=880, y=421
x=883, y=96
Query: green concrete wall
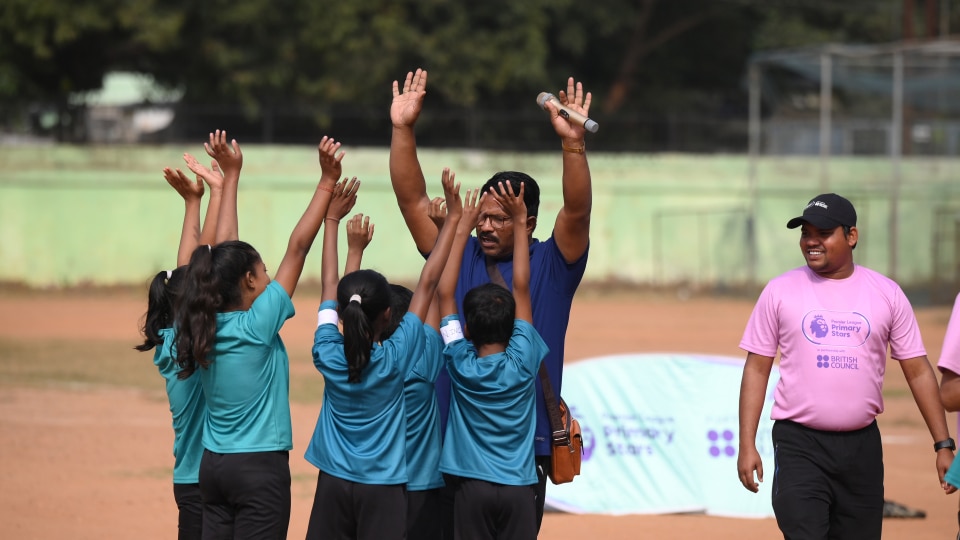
x=104, y=215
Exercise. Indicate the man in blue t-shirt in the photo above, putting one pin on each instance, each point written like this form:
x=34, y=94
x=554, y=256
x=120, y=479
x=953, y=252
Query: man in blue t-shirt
x=556, y=265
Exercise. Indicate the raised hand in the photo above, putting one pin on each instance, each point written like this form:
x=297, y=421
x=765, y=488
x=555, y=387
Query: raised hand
x=343, y=199
x=407, y=104
x=213, y=176
x=471, y=211
x=575, y=99
x=188, y=189
x=511, y=203
x=437, y=211
x=330, y=162
x=451, y=194
x=359, y=232
x=228, y=156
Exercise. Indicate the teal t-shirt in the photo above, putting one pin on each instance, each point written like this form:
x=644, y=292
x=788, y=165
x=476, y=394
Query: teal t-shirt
x=423, y=415
x=492, y=410
x=362, y=426
x=247, y=384
x=187, y=408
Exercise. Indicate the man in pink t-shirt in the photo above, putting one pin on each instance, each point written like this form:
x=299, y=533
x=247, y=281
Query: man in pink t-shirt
x=832, y=321
x=949, y=366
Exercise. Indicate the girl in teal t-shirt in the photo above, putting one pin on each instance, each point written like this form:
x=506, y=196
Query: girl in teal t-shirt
x=358, y=444
x=185, y=396
x=228, y=321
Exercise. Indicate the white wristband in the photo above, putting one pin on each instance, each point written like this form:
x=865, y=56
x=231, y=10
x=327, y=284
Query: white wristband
x=451, y=331
x=327, y=316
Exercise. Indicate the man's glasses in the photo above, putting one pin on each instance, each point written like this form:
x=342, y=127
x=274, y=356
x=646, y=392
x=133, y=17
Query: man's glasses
x=496, y=222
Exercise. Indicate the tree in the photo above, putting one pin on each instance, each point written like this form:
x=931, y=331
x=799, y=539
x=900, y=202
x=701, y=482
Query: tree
x=51, y=48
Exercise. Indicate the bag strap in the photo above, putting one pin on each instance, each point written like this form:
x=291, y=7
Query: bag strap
x=560, y=436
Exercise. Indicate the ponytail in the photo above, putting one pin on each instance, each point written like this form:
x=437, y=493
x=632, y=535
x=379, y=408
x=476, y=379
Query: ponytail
x=160, y=300
x=211, y=285
x=363, y=296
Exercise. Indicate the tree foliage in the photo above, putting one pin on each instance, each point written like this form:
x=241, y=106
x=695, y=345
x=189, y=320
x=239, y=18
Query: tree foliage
x=637, y=55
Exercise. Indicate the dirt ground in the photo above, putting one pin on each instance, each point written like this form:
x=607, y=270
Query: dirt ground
x=93, y=460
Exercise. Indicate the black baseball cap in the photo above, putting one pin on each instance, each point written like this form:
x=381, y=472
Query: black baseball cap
x=826, y=211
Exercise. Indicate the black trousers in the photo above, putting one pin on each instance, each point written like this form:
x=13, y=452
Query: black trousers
x=190, y=523
x=488, y=511
x=448, y=491
x=544, y=464
x=827, y=484
x=245, y=495
x=349, y=510
x=424, y=518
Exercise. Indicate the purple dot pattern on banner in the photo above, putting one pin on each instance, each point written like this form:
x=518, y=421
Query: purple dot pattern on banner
x=823, y=361
x=721, y=443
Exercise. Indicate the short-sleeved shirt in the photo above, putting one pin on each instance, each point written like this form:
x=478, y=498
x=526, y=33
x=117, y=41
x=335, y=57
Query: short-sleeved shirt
x=553, y=283
x=950, y=355
x=423, y=416
x=188, y=409
x=491, y=409
x=833, y=336
x=247, y=384
x=360, y=433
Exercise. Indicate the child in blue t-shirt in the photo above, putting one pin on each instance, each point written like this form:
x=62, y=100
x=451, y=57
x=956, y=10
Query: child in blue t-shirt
x=423, y=436
x=228, y=320
x=358, y=443
x=487, y=451
x=185, y=396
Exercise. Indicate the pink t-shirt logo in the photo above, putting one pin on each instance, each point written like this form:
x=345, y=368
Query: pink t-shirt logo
x=836, y=328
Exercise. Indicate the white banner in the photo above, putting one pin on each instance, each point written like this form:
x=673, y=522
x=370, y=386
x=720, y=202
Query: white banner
x=660, y=436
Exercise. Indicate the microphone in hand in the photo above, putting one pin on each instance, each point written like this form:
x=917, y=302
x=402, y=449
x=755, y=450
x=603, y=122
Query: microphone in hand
x=566, y=112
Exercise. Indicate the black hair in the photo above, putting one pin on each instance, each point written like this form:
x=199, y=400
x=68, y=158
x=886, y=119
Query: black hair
x=400, y=297
x=531, y=191
x=358, y=317
x=211, y=285
x=160, y=300
x=489, y=311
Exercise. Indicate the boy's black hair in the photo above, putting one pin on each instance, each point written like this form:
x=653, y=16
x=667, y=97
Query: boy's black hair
x=489, y=311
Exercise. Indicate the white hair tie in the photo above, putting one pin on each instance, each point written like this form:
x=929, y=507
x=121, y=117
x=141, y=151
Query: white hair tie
x=169, y=274
x=356, y=298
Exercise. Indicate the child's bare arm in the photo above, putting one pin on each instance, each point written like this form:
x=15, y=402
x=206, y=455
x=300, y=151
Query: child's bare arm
x=305, y=232
x=214, y=180
x=192, y=193
x=230, y=160
x=513, y=204
x=359, y=236
x=446, y=289
x=430, y=275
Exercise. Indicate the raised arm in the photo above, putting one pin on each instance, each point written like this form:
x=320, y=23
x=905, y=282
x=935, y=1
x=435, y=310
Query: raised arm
x=572, y=228
x=344, y=198
x=407, y=178
x=753, y=389
x=447, y=288
x=214, y=179
x=305, y=232
x=230, y=160
x=430, y=275
x=359, y=236
x=329, y=263
x=192, y=193
x=513, y=204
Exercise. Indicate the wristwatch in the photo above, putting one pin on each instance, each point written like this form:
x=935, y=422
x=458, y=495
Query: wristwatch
x=946, y=443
